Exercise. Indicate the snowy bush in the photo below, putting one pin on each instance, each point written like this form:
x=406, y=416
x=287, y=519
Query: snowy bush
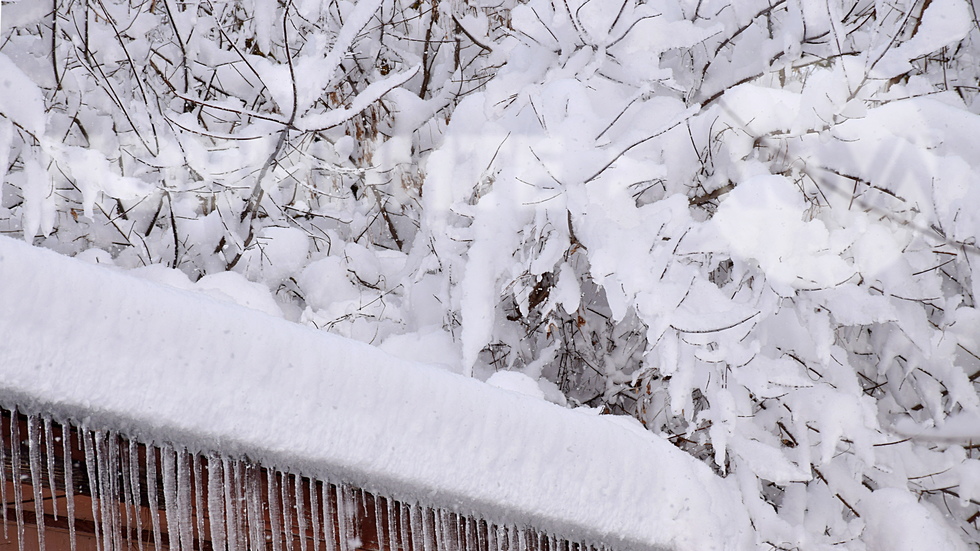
x=749, y=225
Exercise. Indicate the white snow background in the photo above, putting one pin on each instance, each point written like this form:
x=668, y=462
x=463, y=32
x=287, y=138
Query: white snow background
x=750, y=225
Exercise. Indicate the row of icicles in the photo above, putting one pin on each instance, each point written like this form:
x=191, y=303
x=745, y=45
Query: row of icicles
x=129, y=496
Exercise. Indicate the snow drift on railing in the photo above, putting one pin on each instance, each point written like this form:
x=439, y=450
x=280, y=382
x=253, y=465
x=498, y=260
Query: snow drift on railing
x=192, y=376
x=150, y=497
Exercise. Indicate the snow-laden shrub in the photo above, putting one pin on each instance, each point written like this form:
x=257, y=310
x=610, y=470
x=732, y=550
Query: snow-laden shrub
x=749, y=225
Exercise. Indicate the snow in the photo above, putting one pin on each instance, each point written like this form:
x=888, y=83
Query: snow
x=958, y=427
x=763, y=221
x=431, y=345
x=21, y=101
x=233, y=287
x=88, y=343
x=944, y=22
x=279, y=253
x=515, y=381
x=748, y=225
x=897, y=522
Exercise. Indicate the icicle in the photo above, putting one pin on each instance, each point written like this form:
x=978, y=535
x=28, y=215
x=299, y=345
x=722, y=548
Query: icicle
x=439, y=529
x=185, y=506
x=102, y=489
x=522, y=540
x=473, y=534
x=300, y=511
x=130, y=504
x=134, y=484
x=106, y=499
x=482, y=541
x=428, y=539
x=378, y=522
x=415, y=526
x=459, y=530
x=315, y=514
x=49, y=447
x=357, y=511
x=249, y=507
x=93, y=481
x=466, y=532
x=216, y=504
x=198, y=498
x=115, y=516
x=34, y=460
x=3, y=480
x=405, y=522
x=69, y=484
x=238, y=491
x=460, y=523
x=492, y=543
x=393, y=538
x=230, y=514
x=344, y=532
x=253, y=494
x=287, y=512
x=152, y=485
x=170, y=496
x=275, y=513
x=15, y=476
x=350, y=512
x=329, y=534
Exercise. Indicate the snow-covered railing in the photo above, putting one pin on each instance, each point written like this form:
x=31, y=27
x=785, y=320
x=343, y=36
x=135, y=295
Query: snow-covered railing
x=240, y=413
x=140, y=496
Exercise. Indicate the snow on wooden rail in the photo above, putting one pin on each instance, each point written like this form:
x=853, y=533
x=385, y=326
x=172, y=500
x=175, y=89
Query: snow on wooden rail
x=193, y=379
x=114, y=493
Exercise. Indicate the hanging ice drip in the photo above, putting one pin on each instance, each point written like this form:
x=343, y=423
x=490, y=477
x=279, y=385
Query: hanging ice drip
x=78, y=488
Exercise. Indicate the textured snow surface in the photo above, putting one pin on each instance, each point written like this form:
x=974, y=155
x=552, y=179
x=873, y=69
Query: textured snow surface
x=896, y=521
x=97, y=346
